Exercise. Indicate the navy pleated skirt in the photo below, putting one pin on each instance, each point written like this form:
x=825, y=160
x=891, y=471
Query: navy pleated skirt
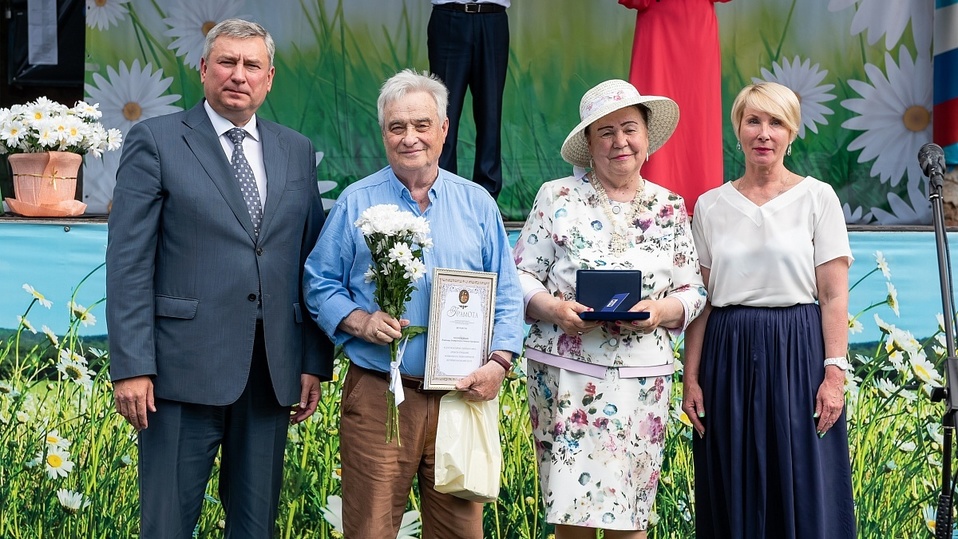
x=761, y=471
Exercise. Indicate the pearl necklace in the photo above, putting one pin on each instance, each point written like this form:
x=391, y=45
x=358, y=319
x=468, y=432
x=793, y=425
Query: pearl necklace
x=620, y=234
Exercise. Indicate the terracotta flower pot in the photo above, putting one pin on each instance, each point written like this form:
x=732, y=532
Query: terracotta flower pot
x=45, y=184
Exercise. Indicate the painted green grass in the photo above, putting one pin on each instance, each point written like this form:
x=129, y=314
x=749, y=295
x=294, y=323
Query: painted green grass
x=894, y=434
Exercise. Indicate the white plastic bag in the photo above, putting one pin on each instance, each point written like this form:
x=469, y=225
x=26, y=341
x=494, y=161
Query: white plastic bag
x=468, y=455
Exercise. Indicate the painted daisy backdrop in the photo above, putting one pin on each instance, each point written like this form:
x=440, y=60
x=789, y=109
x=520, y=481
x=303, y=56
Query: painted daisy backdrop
x=863, y=72
x=862, y=68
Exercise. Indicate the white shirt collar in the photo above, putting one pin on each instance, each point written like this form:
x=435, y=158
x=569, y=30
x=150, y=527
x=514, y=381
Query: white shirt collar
x=221, y=125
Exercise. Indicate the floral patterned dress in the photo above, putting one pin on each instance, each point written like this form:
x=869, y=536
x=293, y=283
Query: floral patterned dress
x=600, y=438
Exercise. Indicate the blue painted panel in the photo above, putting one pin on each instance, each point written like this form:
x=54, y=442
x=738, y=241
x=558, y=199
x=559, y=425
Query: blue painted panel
x=54, y=258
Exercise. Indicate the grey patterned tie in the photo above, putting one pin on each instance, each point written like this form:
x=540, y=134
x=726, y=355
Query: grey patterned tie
x=244, y=175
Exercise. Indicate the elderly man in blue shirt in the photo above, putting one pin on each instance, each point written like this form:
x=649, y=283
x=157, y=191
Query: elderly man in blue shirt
x=467, y=234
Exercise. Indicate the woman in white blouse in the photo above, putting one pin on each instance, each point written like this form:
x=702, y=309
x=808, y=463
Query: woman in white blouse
x=765, y=363
x=599, y=392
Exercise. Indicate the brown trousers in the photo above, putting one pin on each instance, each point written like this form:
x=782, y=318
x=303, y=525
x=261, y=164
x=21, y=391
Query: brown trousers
x=377, y=476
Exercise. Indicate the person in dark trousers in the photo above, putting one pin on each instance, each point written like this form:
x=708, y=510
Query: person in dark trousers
x=469, y=48
x=211, y=348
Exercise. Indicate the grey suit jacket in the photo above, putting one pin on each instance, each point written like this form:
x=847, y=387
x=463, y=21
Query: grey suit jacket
x=184, y=273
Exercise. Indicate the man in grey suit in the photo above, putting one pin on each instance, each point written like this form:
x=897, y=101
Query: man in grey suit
x=210, y=348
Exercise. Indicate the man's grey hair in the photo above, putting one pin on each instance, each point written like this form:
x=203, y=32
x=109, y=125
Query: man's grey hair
x=240, y=29
x=408, y=81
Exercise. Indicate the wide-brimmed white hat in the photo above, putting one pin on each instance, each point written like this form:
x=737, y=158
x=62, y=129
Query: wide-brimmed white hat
x=608, y=97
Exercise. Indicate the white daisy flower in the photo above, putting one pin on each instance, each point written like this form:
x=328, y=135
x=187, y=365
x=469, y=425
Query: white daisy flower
x=131, y=95
x=907, y=447
x=916, y=211
x=50, y=335
x=12, y=132
x=58, y=463
x=934, y=433
x=409, y=526
x=855, y=217
x=6, y=388
x=21, y=321
x=41, y=299
x=102, y=14
x=72, y=369
x=903, y=340
x=854, y=325
x=415, y=270
x=82, y=314
x=882, y=264
x=925, y=370
x=86, y=111
x=72, y=501
x=941, y=321
x=53, y=438
x=401, y=252
x=333, y=512
x=190, y=21
x=70, y=355
x=804, y=79
x=885, y=327
x=99, y=179
x=863, y=359
x=325, y=186
x=929, y=514
x=895, y=114
x=889, y=19
x=892, y=298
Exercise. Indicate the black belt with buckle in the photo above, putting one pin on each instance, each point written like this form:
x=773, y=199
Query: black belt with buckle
x=472, y=7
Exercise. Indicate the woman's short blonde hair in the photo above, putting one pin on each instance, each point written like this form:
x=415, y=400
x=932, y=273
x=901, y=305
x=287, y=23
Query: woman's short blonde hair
x=772, y=98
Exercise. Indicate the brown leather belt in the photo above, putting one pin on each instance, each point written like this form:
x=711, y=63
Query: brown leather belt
x=407, y=381
x=471, y=7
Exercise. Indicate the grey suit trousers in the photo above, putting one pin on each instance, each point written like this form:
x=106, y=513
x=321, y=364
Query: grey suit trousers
x=178, y=449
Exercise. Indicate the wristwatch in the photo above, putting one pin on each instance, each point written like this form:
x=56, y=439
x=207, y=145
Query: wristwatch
x=839, y=362
x=503, y=362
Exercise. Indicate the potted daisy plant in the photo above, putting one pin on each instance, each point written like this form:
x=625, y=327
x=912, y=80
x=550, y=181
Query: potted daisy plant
x=45, y=142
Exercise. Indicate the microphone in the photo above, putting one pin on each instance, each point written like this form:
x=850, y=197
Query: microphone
x=931, y=159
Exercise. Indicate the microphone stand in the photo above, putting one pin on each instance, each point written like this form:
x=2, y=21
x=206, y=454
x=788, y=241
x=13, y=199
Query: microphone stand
x=943, y=520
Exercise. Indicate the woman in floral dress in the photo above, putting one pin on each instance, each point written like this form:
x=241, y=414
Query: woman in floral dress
x=599, y=391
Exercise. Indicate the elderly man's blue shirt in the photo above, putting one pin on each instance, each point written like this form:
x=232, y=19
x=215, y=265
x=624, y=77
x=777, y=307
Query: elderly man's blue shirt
x=467, y=233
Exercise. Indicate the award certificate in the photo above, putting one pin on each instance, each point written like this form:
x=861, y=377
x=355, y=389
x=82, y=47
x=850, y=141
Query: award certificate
x=461, y=310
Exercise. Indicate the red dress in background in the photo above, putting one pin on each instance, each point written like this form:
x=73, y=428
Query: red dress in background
x=675, y=53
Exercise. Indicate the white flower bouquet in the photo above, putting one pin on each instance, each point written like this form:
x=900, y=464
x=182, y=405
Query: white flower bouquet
x=396, y=240
x=47, y=126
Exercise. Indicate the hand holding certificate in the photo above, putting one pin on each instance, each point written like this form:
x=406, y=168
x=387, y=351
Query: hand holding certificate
x=460, y=325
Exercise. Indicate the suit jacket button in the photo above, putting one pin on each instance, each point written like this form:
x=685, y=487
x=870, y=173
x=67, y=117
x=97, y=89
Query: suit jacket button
x=259, y=251
x=251, y=297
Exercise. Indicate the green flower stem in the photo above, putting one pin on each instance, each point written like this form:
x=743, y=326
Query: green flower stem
x=863, y=277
